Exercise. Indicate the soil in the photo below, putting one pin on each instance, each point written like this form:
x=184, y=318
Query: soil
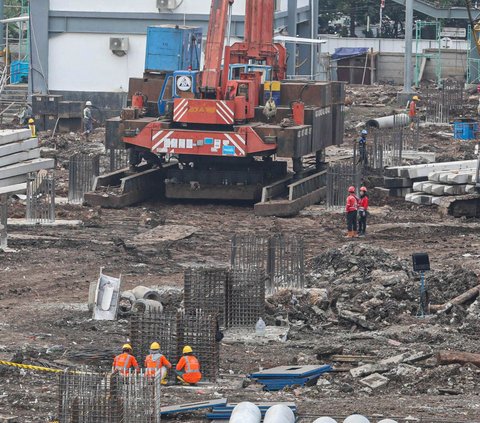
x=45, y=280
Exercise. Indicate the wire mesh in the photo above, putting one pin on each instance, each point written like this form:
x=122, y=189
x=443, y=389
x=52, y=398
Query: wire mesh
x=3, y=221
x=205, y=289
x=118, y=159
x=245, y=298
x=112, y=398
x=443, y=102
x=249, y=252
x=41, y=197
x=83, y=168
x=339, y=177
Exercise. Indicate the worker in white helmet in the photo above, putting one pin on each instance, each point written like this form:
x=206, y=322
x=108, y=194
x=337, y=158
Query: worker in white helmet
x=87, y=119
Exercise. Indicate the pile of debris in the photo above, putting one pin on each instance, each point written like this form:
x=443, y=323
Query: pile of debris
x=369, y=287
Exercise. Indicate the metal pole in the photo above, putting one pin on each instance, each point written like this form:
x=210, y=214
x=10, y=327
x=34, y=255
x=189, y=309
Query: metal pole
x=2, y=28
x=381, y=18
x=408, y=71
x=314, y=36
x=292, y=32
x=229, y=28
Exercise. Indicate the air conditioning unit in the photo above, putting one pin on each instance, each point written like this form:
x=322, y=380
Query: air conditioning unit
x=167, y=4
x=119, y=45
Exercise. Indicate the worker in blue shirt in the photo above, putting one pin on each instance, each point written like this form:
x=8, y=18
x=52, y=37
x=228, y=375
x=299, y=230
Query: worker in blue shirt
x=362, y=148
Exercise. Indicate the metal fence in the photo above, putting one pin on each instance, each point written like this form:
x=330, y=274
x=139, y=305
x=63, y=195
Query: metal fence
x=339, y=177
x=175, y=330
x=281, y=257
x=442, y=102
x=41, y=197
x=83, y=168
x=96, y=398
x=3, y=221
x=118, y=158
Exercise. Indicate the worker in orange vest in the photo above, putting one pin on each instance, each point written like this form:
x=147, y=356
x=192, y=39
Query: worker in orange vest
x=123, y=362
x=188, y=367
x=412, y=111
x=156, y=361
x=351, y=208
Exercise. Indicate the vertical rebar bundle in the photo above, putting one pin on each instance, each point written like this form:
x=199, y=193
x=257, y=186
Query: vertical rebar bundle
x=41, y=197
x=442, y=102
x=83, y=168
x=3, y=221
x=118, y=159
x=98, y=398
x=339, y=177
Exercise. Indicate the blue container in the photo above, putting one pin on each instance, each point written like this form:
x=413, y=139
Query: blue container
x=171, y=48
x=465, y=130
x=19, y=72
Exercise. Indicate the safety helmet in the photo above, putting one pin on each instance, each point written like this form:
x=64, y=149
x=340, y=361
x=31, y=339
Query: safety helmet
x=127, y=347
x=364, y=132
x=88, y=103
x=415, y=97
x=155, y=346
x=187, y=349
x=363, y=189
x=31, y=120
x=351, y=189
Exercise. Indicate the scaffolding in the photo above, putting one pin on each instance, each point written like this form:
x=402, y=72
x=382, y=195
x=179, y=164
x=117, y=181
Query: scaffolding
x=473, y=61
x=421, y=57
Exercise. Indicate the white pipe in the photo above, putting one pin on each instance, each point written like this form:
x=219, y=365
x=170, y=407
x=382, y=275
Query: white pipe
x=246, y=412
x=356, y=418
x=389, y=121
x=387, y=421
x=279, y=413
x=325, y=420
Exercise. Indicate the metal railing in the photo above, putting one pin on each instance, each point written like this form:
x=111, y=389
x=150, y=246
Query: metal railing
x=4, y=78
x=306, y=185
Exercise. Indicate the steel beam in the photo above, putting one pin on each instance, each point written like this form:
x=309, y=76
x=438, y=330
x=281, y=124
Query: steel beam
x=38, y=73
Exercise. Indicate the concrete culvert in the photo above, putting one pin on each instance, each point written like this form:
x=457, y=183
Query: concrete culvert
x=393, y=121
x=279, y=413
x=356, y=418
x=142, y=306
x=125, y=304
x=325, y=420
x=144, y=293
x=387, y=421
x=246, y=412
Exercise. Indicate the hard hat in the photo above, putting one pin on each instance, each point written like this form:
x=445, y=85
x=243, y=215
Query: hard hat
x=325, y=420
x=127, y=347
x=415, y=97
x=363, y=189
x=187, y=349
x=31, y=120
x=351, y=189
x=155, y=346
x=88, y=103
x=356, y=418
x=364, y=132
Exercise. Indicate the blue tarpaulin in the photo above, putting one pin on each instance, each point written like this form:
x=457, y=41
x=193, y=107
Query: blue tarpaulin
x=346, y=52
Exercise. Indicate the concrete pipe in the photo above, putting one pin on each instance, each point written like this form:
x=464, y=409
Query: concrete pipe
x=325, y=420
x=246, y=412
x=143, y=306
x=393, y=121
x=387, y=421
x=144, y=293
x=125, y=304
x=356, y=418
x=279, y=413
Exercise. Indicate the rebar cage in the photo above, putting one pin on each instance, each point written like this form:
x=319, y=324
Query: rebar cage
x=82, y=170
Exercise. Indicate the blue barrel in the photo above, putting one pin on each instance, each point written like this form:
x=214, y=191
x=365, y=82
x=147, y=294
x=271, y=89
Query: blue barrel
x=465, y=130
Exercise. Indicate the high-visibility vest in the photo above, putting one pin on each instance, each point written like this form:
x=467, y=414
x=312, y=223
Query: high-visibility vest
x=153, y=364
x=192, y=369
x=123, y=362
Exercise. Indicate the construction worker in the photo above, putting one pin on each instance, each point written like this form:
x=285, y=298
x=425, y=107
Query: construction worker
x=188, y=367
x=362, y=211
x=412, y=111
x=123, y=362
x=31, y=126
x=351, y=210
x=362, y=148
x=87, y=119
x=156, y=361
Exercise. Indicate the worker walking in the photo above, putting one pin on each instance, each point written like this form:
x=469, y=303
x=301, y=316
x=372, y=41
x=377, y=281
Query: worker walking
x=87, y=119
x=156, y=361
x=412, y=111
x=351, y=210
x=31, y=126
x=123, y=362
x=188, y=367
x=362, y=148
x=362, y=211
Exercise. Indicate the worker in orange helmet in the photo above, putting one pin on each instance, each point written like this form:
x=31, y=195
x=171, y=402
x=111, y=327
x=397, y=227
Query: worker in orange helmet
x=362, y=211
x=123, y=362
x=188, y=367
x=412, y=111
x=351, y=209
x=156, y=361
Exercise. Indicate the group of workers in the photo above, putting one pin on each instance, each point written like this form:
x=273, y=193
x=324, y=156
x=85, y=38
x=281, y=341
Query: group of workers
x=187, y=368
x=356, y=209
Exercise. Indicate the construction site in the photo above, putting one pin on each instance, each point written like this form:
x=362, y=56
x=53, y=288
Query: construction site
x=197, y=196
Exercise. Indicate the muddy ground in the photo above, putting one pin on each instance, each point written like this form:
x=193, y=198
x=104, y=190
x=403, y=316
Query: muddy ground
x=44, y=288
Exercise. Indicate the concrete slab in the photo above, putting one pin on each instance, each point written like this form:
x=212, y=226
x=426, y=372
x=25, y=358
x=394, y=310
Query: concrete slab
x=15, y=180
x=18, y=146
x=438, y=189
x=457, y=178
x=8, y=136
x=57, y=223
x=437, y=200
x=470, y=189
x=14, y=189
x=418, y=171
x=19, y=157
x=417, y=186
x=368, y=369
x=419, y=198
x=375, y=381
x=455, y=189
x=427, y=187
x=397, y=182
x=422, y=155
x=26, y=167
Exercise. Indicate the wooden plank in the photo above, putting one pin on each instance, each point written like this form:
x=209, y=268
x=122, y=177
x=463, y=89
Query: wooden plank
x=460, y=357
x=8, y=136
x=26, y=167
x=17, y=158
x=18, y=146
x=354, y=358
